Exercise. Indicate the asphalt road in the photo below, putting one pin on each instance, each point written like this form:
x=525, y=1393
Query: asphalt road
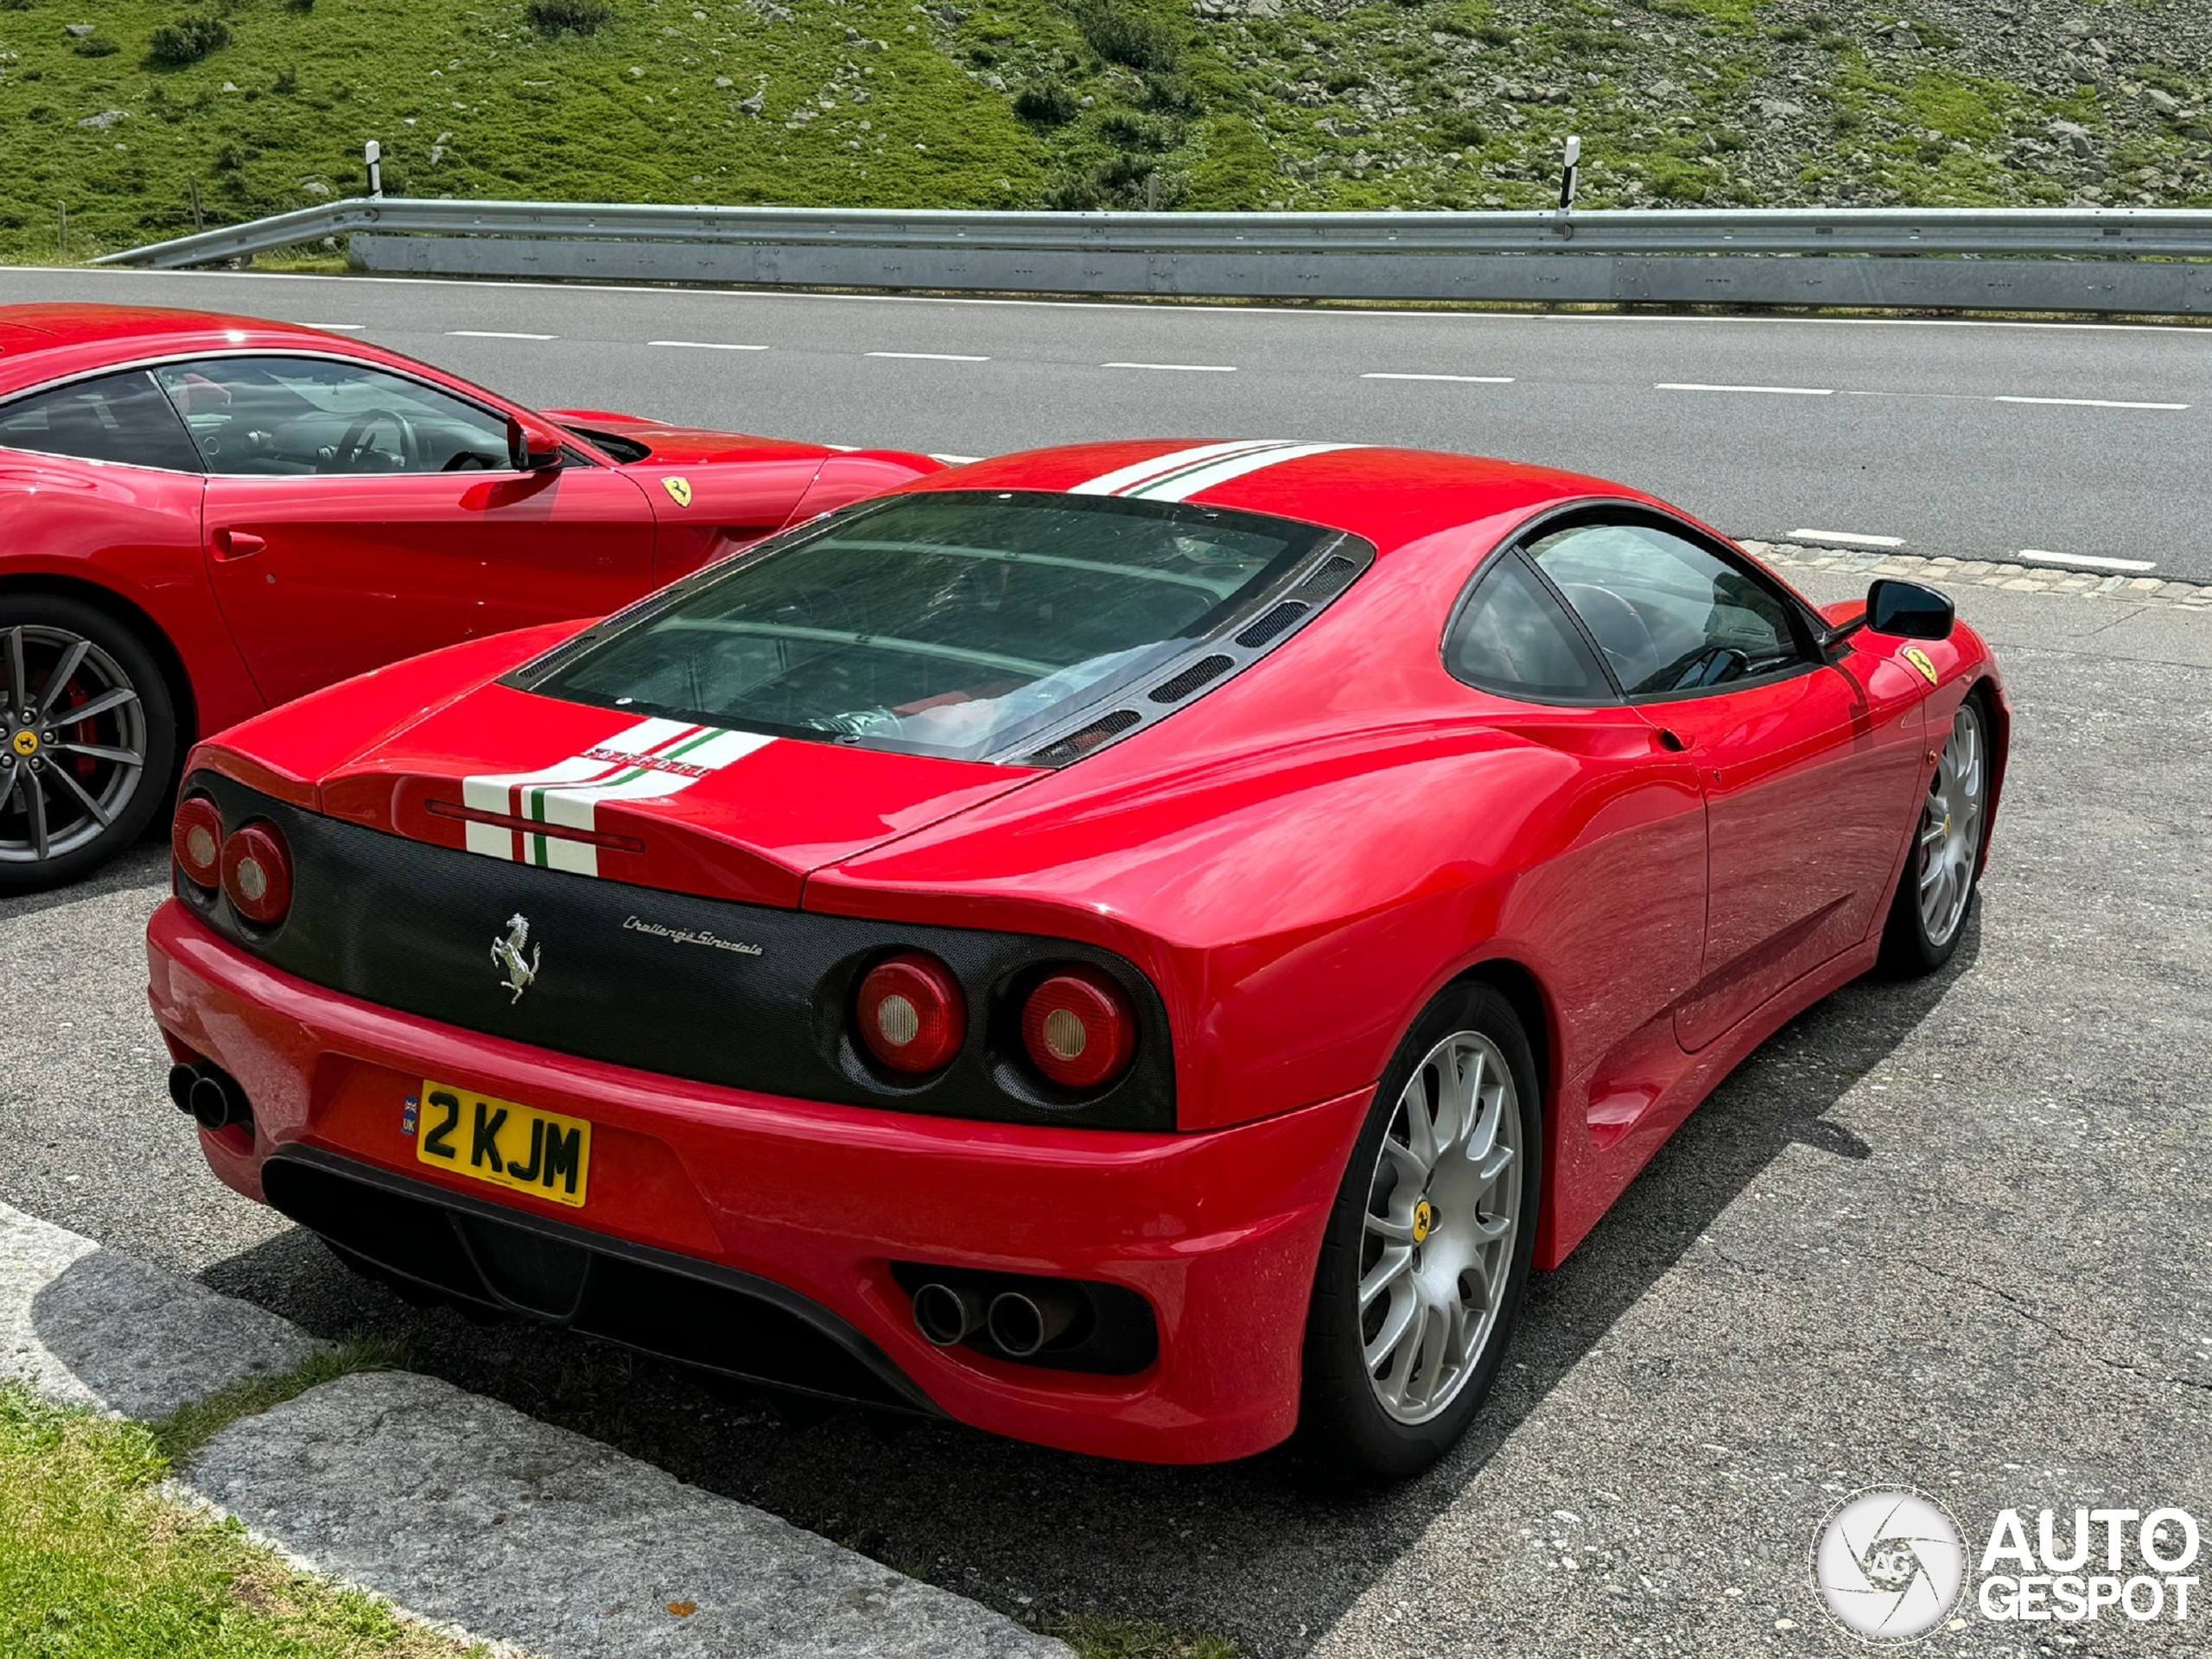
x=1950, y=1234
x=2074, y=441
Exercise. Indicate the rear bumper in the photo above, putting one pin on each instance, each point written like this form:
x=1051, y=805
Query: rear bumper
x=807, y=1206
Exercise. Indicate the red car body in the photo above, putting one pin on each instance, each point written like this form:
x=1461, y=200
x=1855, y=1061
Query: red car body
x=1297, y=862
x=251, y=590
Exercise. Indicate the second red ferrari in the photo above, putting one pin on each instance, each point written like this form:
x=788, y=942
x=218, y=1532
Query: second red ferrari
x=202, y=516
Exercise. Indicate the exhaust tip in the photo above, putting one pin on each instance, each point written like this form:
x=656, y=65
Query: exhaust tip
x=181, y=1078
x=216, y=1102
x=943, y=1315
x=1017, y=1324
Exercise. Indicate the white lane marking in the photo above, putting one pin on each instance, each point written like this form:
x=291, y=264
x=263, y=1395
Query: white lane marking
x=706, y=345
x=1468, y=379
x=1178, y=368
x=2087, y=561
x=933, y=357
x=1847, y=538
x=492, y=333
x=1776, y=391
x=1469, y=314
x=337, y=327
x=2087, y=403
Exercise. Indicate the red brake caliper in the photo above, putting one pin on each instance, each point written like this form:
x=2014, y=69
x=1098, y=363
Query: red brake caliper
x=85, y=731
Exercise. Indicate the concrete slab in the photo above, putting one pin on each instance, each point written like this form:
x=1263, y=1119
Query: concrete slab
x=85, y=1325
x=468, y=1512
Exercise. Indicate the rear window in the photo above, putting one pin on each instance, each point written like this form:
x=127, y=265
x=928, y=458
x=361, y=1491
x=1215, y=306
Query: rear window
x=944, y=624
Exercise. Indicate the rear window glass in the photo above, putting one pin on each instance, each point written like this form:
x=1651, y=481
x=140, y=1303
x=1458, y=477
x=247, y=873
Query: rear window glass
x=118, y=417
x=955, y=625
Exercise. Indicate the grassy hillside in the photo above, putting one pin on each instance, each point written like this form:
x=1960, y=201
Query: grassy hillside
x=113, y=110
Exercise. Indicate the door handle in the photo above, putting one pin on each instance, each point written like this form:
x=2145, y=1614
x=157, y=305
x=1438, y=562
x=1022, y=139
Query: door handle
x=1670, y=741
x=238, y=544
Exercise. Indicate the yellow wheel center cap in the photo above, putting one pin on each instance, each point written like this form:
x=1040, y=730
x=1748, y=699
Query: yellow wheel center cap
x=1424, y=1221
x=25, y=743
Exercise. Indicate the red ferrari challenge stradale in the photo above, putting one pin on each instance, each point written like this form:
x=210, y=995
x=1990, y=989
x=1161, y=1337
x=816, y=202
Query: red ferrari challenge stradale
x=1140, y=947
x=202, y=516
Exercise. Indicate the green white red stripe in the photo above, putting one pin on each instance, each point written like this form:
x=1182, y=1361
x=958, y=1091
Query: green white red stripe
x=1182, y=474
x=652, y=760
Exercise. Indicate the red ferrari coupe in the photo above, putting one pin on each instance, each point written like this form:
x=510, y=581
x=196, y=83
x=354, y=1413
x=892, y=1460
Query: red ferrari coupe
x=1138, y=947
x=206, y=515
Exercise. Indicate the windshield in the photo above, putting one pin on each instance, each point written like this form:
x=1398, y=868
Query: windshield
x=941, y=624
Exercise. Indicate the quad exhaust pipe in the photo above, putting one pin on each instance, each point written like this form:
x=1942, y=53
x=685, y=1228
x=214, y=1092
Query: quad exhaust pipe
x=1019, y=1323
x=210, y=1096
x=946, y=1316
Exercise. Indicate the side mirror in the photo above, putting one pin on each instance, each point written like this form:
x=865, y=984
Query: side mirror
x=531, y=447
x=1909, y=611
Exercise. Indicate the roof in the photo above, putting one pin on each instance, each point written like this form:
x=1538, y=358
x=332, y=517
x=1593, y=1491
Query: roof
x=38, y=341
x=1388, y=496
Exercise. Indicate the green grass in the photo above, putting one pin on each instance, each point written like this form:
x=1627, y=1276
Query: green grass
x=1334, y=105
x=95, y=1563
x=193, y=1426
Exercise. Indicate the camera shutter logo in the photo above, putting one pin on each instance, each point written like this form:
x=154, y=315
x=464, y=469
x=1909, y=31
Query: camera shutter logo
x=1889, y=1563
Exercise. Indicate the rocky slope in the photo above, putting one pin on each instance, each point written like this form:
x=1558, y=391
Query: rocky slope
x=121, y=113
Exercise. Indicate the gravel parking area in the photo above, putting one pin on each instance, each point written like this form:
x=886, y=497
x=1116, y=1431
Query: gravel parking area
x=1950, y=1234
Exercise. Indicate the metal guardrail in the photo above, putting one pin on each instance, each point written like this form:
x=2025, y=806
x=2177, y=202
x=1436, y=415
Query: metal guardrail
x=2088, y=259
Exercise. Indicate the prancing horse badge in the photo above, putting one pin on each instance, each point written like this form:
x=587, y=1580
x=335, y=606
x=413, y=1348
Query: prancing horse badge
x=679, y=490
x=1920, y=660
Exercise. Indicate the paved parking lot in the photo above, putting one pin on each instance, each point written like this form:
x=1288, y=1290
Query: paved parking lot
x=1951, y=1234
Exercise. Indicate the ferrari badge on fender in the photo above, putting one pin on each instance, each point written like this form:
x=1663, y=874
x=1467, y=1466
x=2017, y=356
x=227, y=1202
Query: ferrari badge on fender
x=1920, y=660
x=679, y=490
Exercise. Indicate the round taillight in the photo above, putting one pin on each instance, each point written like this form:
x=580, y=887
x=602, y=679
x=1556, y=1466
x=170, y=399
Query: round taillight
x=1077, y=1029
x=911, y=1015
x=196, y=839
x=257, y=874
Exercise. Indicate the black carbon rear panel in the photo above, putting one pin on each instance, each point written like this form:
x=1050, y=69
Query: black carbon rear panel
x=411, y=926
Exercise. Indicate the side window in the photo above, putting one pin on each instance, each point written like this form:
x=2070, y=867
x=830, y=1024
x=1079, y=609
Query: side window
x=1668, y=615
x=122, y=417
x=1512, y=638
x=275, y=417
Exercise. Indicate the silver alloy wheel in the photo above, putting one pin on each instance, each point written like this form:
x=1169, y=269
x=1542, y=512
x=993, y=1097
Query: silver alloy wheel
x=1950, y=829
x=72, y=742
x=1443, y=1214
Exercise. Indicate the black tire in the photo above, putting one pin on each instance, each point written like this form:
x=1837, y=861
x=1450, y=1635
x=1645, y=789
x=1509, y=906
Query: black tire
x=1908, y=950
x=43, y=618
x=1342, y=1424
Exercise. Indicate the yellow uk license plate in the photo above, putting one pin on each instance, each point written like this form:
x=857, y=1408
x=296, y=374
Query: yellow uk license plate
x=519, y=1148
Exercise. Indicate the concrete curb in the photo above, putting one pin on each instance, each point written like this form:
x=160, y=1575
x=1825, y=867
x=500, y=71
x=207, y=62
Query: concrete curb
x=88, y=1327
x=468, y=1513
x=1944, y=571
x=463, y=1512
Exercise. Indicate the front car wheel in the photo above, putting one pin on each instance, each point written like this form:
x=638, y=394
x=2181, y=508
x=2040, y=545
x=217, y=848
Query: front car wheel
x=1942, y=871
